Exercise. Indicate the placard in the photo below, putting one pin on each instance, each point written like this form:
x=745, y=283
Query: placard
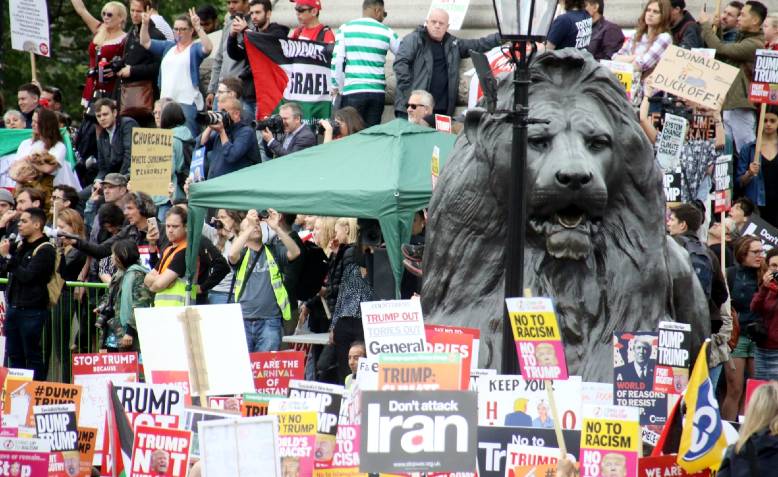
x=57, y=425
x=272, y=370
x=672, y=186
x=443, y=123
x=420, y=372
x=625, y=73
x=671, y=374
x=722, y=181
x=751, y=385
x=25, y=457
x=456, y=9
x=538, y=341
x=532, y=461
x=297, y=423
x=224, y=356
x=393, y=326
x=367, y=373
x=764, y=87
x=87, y=444
x=328, y=398
x=665, y=465
x=229, y=447
x=157, y=452
x=760, y=229
x=197, y=167
x=156, y=405
x=634, y=365
x=444, y=339
x=508, y=400
x=30, y=27
x=493, y=445
x=693, y=76
x=477, y=374
x=345, y=462
x=671, y=140
x=610, y=441
x=418, y=431
x=193, y=415
x=20, y=400
x=151, y=163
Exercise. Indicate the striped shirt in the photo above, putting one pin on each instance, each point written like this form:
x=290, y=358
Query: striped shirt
x=360, y=55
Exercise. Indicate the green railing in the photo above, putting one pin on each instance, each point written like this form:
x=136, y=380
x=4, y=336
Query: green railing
x=71, y=327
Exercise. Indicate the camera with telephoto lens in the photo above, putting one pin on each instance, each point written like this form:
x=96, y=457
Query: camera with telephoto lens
x=335, y=128
x=104, y=314
x=211, y=118
x=274, y=123
x=116, y=63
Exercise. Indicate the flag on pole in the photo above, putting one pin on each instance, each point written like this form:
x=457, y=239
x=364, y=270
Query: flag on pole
x=120, y=434
x=702, y=439
x=290, y=70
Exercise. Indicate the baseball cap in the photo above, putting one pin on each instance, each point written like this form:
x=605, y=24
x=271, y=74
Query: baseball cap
x=309, y=3
x=115, y=179
x=5, y=196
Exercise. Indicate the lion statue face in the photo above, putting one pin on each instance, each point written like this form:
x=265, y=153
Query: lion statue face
x=595, y=238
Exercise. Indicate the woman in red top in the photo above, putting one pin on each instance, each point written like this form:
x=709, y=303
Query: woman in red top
x=107, y=43
x=765, y=304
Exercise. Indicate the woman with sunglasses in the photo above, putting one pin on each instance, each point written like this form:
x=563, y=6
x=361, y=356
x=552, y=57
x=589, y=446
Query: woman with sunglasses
x=179, y=73
x=107, y=43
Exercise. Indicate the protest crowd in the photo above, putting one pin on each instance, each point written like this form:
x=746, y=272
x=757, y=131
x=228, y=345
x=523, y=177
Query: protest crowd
x=93, y=242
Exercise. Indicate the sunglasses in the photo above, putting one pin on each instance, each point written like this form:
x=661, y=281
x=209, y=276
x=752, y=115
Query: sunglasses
x=107, y=14
x=302, y=9
x=414, y=106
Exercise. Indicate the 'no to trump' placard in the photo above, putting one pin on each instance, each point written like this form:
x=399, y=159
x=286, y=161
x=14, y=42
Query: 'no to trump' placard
x=538, y=342
x=152, y=160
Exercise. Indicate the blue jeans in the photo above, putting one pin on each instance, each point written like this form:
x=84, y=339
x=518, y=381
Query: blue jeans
x=369, y=105
x=263, y=335
x=217, y=297
x=190, y=111
x=23, y=330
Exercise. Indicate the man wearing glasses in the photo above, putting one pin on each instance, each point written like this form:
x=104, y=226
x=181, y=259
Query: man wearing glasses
x=223, y=65
x=310, y=28
x=420, y=106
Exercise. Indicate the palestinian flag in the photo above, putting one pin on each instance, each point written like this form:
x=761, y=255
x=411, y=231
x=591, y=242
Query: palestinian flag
x=11, y=138
x=120, y=435
x=290, y=70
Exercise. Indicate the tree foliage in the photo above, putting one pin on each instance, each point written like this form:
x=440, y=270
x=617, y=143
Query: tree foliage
x=67, y=66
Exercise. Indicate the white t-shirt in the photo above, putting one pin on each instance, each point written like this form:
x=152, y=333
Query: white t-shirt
x=64, y=175
x=176, y=78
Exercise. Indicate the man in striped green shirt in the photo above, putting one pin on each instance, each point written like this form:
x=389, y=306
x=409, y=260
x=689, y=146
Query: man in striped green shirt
x=358, y=61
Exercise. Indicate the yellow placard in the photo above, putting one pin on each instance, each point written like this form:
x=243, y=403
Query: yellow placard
x=534, y=326
x=610, y=434
x=152, y=160
x=297, y=423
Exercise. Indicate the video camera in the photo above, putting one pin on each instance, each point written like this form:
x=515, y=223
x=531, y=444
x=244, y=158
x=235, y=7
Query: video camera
x=211, y=118
x=273, y=123
x=105, y=66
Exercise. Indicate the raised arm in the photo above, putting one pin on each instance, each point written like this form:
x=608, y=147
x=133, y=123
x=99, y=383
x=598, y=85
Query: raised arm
x=145, y=38
x=91, y=22
x=204, y=40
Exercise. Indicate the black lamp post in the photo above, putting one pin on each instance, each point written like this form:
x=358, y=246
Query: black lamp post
x=522, y=23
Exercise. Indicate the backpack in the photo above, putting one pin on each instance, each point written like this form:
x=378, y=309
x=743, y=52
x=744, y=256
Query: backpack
x=314, y=270
x=56, y=282
x=700, y=262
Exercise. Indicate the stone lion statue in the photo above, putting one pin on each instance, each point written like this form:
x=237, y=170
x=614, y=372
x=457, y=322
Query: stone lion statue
x=596, y=240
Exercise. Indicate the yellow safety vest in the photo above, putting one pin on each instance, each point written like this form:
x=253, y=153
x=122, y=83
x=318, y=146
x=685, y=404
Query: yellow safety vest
x=277, y=282
x=175, y=294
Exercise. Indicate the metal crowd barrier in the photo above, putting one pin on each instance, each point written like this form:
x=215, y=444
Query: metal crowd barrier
x=70, y=328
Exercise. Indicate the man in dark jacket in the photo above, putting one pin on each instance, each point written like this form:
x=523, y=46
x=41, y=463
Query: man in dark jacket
x=232, y=147
x=297, y=135
x=429, y=59
x=685, y=29
x=114, y=141
x=607, y=37
x=29, y=268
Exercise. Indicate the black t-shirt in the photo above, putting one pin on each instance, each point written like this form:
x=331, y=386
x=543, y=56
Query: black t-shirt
x=178, y=263
x=439, y=82
x=571, y=30
x=770, y=173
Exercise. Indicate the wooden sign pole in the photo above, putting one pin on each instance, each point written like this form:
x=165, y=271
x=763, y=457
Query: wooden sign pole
x=33, y=68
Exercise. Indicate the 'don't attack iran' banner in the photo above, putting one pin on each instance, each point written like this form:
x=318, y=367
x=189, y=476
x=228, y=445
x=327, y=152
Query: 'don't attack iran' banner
x=290, y=70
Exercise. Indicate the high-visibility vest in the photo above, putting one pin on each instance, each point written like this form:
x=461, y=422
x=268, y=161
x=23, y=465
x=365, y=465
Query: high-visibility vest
x=175, y=294
x=276, y=281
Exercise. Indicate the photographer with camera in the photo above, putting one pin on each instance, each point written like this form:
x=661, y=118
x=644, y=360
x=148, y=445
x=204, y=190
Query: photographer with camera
x=297, y=136
x=231, y=144
x=765, y=304
x=344, y=122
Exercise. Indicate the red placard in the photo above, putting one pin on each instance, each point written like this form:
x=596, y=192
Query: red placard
x=751, y=385
x=664, y=465
x=443, y=123
x=451, y=339
x=175, y=378
x=272, y=370
x=157, y=452
x=105, y=363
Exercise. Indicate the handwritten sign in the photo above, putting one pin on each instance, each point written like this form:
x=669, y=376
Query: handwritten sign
x=152, y=160
x=30, y=27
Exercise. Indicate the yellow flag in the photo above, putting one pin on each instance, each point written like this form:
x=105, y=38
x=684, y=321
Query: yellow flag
x=702, y=439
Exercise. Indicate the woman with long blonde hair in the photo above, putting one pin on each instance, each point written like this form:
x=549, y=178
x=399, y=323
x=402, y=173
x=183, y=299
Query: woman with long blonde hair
x=756, y=449
x=107, y=43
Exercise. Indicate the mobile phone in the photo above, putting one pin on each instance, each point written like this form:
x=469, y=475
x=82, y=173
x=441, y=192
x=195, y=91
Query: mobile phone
x=152, y=222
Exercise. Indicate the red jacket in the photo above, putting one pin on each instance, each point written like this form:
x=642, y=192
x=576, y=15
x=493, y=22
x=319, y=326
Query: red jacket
x=765, y=304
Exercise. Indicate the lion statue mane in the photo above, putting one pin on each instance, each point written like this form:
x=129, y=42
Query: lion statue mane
x=596, y=240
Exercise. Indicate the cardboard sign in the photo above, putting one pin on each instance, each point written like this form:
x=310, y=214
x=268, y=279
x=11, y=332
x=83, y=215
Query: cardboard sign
x=610, y=441
x=764, y=88
x=393, y=326
x=760, y=229
x=24, y=457
x=20, y=400
x=443, y=123
x=222, y=364
x=672, y=186
x=625, y=73
x=229, y=447
x=328, y=398
x=456, y=9
x=672, y=365
x=722, y=180
x=297, y=423
x=151, y=160
x=671, y=140
x=508, y=400
x=193, y=415
x=197, y=167
x=532, y=461
x=87, y=444
x=664, y=465
x=30, y=27
x=420, y=372
x=493, y=445
x=418, y=431
x=693, y=76
x=537, y=337
x=634, y=365
x=157, y=452
x=273, y=370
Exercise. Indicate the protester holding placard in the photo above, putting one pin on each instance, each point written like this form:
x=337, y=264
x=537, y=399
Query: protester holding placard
x=758, y=176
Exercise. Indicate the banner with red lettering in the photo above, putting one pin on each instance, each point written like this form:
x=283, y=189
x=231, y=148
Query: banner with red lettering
x=393, y=326
x=24, y=457
x=272, y=370
x=531, y=461
x=157, y=452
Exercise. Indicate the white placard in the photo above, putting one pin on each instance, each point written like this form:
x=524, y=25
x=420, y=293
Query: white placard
x=230, y=447
x=668, y=150
x=456, y=9
x=30, y=27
